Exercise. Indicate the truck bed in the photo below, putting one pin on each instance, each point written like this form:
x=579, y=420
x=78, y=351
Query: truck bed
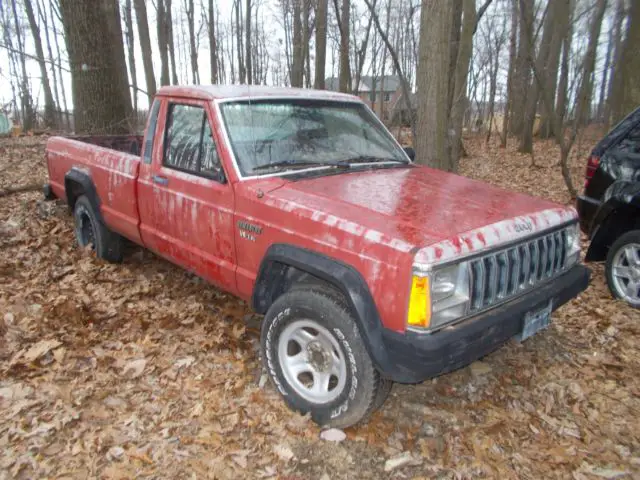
x=112, y=166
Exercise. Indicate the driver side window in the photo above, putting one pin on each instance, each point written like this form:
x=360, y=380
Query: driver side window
x=189, y=144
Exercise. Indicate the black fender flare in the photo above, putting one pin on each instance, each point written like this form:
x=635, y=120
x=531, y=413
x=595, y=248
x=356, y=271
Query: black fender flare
x=78, y=182
x=614, y=217
x=271, y=280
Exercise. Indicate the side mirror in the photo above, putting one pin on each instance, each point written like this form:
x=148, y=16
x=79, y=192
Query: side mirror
x=411, y=153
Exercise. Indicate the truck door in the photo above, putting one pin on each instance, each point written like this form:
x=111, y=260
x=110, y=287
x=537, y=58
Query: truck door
x=186, y=205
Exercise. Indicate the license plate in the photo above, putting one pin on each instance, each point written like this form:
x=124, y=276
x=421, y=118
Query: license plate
x=535, y=321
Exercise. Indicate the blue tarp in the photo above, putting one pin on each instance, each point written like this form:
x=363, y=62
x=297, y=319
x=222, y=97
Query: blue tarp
x=5, y=124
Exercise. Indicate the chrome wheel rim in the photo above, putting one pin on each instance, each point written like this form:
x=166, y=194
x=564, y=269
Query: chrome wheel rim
x=625, y=272
x=312, y=361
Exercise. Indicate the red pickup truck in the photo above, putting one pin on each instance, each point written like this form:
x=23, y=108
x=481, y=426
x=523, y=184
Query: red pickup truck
x=368, y=268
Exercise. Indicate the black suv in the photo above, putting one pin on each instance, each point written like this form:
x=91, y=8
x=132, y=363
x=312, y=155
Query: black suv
x=610, y=207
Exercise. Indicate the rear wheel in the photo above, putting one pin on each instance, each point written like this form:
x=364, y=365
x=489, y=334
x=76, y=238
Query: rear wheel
x=90, y=231
x=623, y=268
x=315, y=356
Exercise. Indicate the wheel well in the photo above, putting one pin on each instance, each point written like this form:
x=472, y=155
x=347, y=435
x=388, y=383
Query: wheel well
x=619, y=222
x=278, y=278
x=73, y=190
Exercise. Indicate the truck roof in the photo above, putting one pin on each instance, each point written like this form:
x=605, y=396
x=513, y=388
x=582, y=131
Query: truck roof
x=222, y=92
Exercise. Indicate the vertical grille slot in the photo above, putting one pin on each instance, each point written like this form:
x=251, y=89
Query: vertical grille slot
x=507, y=272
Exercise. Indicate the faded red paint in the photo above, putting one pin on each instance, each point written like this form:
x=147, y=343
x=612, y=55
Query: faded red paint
x=380, y=222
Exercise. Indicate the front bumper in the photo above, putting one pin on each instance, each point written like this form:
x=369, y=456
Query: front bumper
x=415, y=357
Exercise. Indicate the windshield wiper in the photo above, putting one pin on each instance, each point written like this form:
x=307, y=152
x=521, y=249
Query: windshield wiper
x=294, y=164
x=372, y=159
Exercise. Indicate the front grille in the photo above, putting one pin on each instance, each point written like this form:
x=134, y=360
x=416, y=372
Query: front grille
x=502, y=274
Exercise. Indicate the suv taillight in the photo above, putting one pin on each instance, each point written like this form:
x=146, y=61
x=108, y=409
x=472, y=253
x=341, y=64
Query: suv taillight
x=592, y=166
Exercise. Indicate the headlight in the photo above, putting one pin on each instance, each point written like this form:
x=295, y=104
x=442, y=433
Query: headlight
x=573, y=244
x=439, y=297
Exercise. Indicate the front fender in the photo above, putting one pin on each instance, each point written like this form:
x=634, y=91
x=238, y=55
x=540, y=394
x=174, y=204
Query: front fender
x=346, y=279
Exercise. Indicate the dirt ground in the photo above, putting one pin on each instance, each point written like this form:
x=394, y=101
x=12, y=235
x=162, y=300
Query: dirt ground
x=142, y=370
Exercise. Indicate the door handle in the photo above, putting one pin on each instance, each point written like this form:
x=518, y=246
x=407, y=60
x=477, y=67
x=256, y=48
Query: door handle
x=160, y=180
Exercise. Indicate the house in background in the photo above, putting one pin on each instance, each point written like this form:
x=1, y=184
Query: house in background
x=379, y=93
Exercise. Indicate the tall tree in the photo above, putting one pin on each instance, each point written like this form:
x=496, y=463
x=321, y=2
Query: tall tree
x=511, y=93
x=628, y=70
x=247, y=41
x=28, y=110
x=49, y=105
x=615, y=86
x=343, y=17
x=458, y=82
x=297, y=64
x=145, y=45
x=168, y=17
x=163, y=43
x=561, y=11
x=213, y=46
x=128, y=21
x=522, y=72
x=193, y=49
x=432, y=139
x=321, y=43
x=541, y=62
x=101, y=99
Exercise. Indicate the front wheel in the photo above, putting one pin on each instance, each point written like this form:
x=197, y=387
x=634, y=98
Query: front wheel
x=317, y=359
x=623, y=268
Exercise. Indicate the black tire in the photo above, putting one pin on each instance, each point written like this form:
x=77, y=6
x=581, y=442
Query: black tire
x=355, y=400
x=632, y=237
x=384, y=389
x=89, y=229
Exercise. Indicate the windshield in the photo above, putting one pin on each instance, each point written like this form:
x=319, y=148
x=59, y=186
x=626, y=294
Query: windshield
x=273, y=135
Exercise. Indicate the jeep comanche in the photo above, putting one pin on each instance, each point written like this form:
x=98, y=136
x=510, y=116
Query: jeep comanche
x=368, y=269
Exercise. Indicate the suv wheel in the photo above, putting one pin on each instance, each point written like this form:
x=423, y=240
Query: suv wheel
x=623, y=268
x=316, y=358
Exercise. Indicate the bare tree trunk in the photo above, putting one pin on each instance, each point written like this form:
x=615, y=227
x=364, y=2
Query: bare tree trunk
x=461, y=73
x=128, y=21
x=193, y=49
x=600, y=114
x=42, y=15
x=511, y=75
x=561, y=11
x=168, y=16
x=321, y=44
x=58, y=56
x=533, y=93
x=297, y=64
x=522, y=74
x=406, y=91
x=563, y=82
x=361, y=54
x=49, y=105
x=344, y=24
x=145, y=45
x=213, y=47
x=239, y=49
x=432, y=139
x=628, y=70
x=28, y=111
x=247, y=42
x=101, y=97
x=306, y=13
x=615, y=87
x=162, y=42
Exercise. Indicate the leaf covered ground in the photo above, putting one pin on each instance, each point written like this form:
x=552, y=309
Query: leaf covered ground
x=142, y=370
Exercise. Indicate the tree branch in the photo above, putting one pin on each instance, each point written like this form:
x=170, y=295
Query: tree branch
x=33, y=57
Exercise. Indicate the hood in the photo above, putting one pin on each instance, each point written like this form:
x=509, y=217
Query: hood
x=411, y=208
